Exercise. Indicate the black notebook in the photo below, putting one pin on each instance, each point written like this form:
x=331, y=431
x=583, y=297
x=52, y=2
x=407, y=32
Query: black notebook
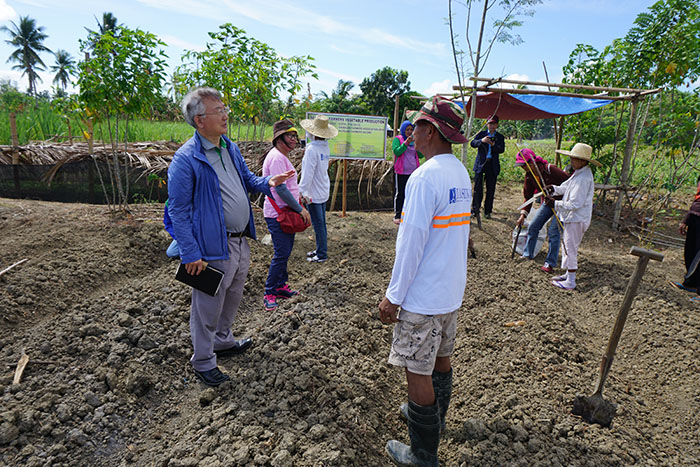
x=208, y=281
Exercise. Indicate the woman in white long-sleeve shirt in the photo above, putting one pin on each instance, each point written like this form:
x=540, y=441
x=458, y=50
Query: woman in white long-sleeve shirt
x=315, y=184
x=574, y=210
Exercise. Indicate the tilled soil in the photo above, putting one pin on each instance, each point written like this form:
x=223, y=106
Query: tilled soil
x=107, y=331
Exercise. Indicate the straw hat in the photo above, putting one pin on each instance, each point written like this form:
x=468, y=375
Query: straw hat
x=320, y=127
x=445, y=115
x=581, y=151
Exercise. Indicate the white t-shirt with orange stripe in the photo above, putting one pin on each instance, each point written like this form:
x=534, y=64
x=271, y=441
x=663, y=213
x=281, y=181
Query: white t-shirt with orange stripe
x=430, y=269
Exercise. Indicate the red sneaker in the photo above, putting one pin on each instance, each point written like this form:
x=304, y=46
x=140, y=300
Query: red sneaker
x=270, y=302
x=547, y=268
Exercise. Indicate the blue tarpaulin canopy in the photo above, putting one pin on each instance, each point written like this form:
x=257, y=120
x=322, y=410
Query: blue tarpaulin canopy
x=531, y=106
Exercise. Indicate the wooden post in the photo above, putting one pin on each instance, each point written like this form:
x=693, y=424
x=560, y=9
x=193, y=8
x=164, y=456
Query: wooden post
x=13, y=130
x=15, y=150
x=91, y=137
x=345, y=184
x=338, y=169
x=559, y=136
x=396, y=114
x=557, y=139
x=91, y=182
x=629, y=147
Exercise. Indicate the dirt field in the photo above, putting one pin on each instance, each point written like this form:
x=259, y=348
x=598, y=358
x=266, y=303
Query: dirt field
x=106, y=328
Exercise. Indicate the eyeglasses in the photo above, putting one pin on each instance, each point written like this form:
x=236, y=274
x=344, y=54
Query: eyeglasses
x=221, y=111
x=292, y=135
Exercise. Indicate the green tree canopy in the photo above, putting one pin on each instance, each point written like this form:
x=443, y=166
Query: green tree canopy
x=248, y=72
x=380, y=89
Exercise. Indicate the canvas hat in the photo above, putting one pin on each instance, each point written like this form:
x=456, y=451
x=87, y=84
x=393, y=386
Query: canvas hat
x=320, y=127
x=282, y=127
x=493, y=119
x=581, y=151
x=445, y=115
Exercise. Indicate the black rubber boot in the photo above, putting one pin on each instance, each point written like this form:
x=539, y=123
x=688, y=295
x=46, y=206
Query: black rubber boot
x=424, y=431
x=442, y=385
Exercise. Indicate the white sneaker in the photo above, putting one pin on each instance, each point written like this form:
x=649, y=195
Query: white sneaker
x=316, y=259
x=311, y=254
x=566, y=285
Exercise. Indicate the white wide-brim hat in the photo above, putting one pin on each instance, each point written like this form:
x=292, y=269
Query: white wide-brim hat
x=320, y=127
x=581, y=151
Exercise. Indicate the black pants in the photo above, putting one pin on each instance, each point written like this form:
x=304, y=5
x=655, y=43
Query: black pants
x=490, y=174
x=399, y=193
x=692, y=246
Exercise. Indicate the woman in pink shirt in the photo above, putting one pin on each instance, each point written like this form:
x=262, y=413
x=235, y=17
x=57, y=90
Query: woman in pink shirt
x=284, y=139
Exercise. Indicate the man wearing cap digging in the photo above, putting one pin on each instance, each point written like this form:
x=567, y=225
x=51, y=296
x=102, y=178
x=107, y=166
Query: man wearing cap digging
x=489, y=143
x=575, y=209
x=211, y=216
x=428, y=279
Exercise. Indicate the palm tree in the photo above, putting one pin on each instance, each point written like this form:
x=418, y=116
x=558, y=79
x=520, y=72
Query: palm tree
x=338, y=100
x=64, y=67
x=29, y=40
x=108, y=24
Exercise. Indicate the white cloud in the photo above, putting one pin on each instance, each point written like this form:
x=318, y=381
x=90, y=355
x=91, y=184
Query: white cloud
x=345, y=50
x=335, y=74
x=46, y=83
x=514, y=76
x=6, y=11
x=177, y=42
x=439, y=87
x=600, y=7
x=289, y=16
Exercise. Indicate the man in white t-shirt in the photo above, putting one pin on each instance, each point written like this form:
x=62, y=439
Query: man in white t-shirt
x=428, y=279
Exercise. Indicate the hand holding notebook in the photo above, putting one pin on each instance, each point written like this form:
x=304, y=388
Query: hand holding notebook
x=208, y=281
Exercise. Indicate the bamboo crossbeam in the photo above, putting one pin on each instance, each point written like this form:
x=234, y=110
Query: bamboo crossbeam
x=492, y=81
x=625, y=97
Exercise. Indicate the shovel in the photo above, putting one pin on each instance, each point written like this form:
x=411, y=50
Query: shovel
x=595, y=409
x=515, y=242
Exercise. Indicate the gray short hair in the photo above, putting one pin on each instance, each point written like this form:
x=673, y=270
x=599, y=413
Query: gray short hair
x=192, y=103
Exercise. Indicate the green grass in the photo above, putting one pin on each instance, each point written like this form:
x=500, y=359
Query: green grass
x=41, y=123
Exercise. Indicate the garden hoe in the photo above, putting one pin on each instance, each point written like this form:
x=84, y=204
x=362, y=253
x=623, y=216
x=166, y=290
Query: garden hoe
x=595, y=409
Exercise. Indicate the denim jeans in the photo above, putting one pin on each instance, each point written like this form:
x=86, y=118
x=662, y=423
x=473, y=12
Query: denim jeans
x=282, y=243
x=318, y=220
x=543, y=214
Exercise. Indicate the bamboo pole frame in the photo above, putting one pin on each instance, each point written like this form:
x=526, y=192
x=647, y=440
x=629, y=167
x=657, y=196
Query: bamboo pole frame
x=492, y=81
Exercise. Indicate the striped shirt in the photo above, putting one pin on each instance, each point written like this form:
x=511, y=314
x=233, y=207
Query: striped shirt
x=430, y=269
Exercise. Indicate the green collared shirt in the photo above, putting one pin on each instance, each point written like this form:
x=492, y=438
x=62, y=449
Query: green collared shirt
x=233, y=195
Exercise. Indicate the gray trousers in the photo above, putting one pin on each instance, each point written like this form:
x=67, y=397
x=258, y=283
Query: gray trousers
x=211, y=317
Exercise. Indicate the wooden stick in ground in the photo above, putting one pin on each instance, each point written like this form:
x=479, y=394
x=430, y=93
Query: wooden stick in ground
x=345, y=183
x=21, y=365
x=12, y=266
x=338, y=168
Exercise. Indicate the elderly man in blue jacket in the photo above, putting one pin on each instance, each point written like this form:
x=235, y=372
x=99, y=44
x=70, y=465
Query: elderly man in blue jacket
x=489, y=144
x=208, y=185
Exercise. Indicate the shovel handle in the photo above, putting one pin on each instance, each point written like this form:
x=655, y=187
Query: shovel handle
x=515, y=242
x=606, y=363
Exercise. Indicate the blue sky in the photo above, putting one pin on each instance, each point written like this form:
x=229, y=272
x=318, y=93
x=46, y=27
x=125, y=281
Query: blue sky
x=348, y=39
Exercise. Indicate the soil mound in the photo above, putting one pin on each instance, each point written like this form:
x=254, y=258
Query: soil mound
x=107, y=331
